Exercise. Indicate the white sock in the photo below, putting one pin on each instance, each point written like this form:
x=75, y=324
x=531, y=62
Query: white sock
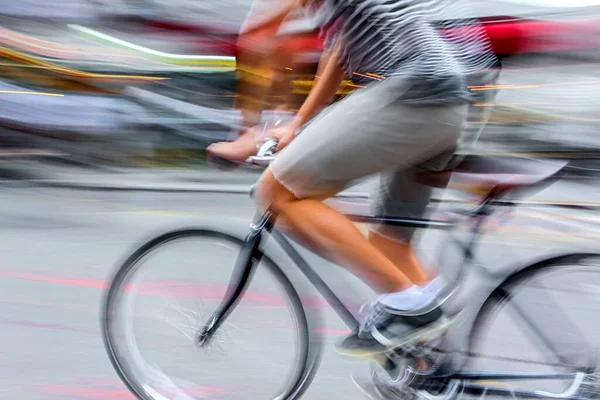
x=411, y=298
x=434, y=287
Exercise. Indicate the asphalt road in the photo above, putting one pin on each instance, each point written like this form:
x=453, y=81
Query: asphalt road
x=60, y=246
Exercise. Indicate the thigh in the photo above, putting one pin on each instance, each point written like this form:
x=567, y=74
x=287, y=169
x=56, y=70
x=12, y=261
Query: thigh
x=362, y=135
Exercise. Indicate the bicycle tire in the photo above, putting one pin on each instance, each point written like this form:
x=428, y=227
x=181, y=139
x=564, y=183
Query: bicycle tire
x=308, y=354
x=508, y=288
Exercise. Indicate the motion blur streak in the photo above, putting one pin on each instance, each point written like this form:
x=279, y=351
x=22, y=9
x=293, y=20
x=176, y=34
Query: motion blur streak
x=119, y=394
x=106, y=110
x=68, y=71
x=222, y=62
x=503, y=87
x=32, y=93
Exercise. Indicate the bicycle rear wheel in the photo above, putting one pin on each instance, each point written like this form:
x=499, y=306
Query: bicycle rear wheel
x=542, y=320
x=163, y=295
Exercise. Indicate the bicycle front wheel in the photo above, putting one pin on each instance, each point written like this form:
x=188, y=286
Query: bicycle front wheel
x=163, y=295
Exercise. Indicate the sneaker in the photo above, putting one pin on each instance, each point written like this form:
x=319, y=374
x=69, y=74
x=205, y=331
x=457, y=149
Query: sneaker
x=385, y=329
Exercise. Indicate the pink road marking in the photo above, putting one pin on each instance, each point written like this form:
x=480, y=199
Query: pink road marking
x=333, y=331
x=184, y=289
x=267, y=307
x=33, y=324
x=48, y=304
x=119, y=393
x=85, y=282
x=86, y=393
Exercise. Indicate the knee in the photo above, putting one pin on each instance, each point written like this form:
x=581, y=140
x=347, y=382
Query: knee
x=270, y=194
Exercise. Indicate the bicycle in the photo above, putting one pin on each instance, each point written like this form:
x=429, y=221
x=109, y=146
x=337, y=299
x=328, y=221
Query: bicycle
x=431, y=369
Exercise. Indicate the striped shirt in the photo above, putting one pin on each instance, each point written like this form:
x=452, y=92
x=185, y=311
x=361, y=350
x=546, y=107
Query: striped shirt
x=433, y=44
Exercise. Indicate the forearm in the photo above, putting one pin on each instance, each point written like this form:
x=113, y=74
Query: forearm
x=325, y=88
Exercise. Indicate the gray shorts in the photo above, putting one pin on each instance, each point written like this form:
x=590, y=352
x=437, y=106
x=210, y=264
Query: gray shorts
x=370, y=132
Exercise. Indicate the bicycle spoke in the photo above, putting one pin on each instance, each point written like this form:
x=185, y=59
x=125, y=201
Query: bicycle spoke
x=154, y=326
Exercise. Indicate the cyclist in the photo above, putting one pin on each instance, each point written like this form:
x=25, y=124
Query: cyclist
x=408, y=118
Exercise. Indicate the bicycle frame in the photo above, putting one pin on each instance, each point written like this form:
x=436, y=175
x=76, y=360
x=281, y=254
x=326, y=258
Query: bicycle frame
x=250, y=255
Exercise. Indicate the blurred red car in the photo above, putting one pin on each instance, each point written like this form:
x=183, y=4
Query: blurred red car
x=534, y=26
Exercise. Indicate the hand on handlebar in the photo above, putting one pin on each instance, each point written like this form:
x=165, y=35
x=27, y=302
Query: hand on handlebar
x=284, y=134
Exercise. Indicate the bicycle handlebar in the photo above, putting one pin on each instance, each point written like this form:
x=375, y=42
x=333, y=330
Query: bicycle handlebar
x=265, y=153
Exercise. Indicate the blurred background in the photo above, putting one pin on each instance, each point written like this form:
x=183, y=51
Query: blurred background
x=107, y=107
x=151, y=83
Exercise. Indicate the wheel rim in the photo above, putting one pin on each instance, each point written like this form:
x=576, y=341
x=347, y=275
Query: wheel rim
x=555, y=283
x=151, y=379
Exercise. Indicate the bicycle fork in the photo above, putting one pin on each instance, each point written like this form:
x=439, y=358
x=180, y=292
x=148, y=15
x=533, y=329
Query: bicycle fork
x=245, y=265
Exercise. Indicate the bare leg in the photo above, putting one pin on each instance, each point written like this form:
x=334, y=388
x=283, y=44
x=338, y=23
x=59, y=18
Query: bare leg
x=252, y=97
x=282, y=69
x=253, y=75
x=402, y=255
x=260, y=74
x=336, y=238
x=331, y=234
